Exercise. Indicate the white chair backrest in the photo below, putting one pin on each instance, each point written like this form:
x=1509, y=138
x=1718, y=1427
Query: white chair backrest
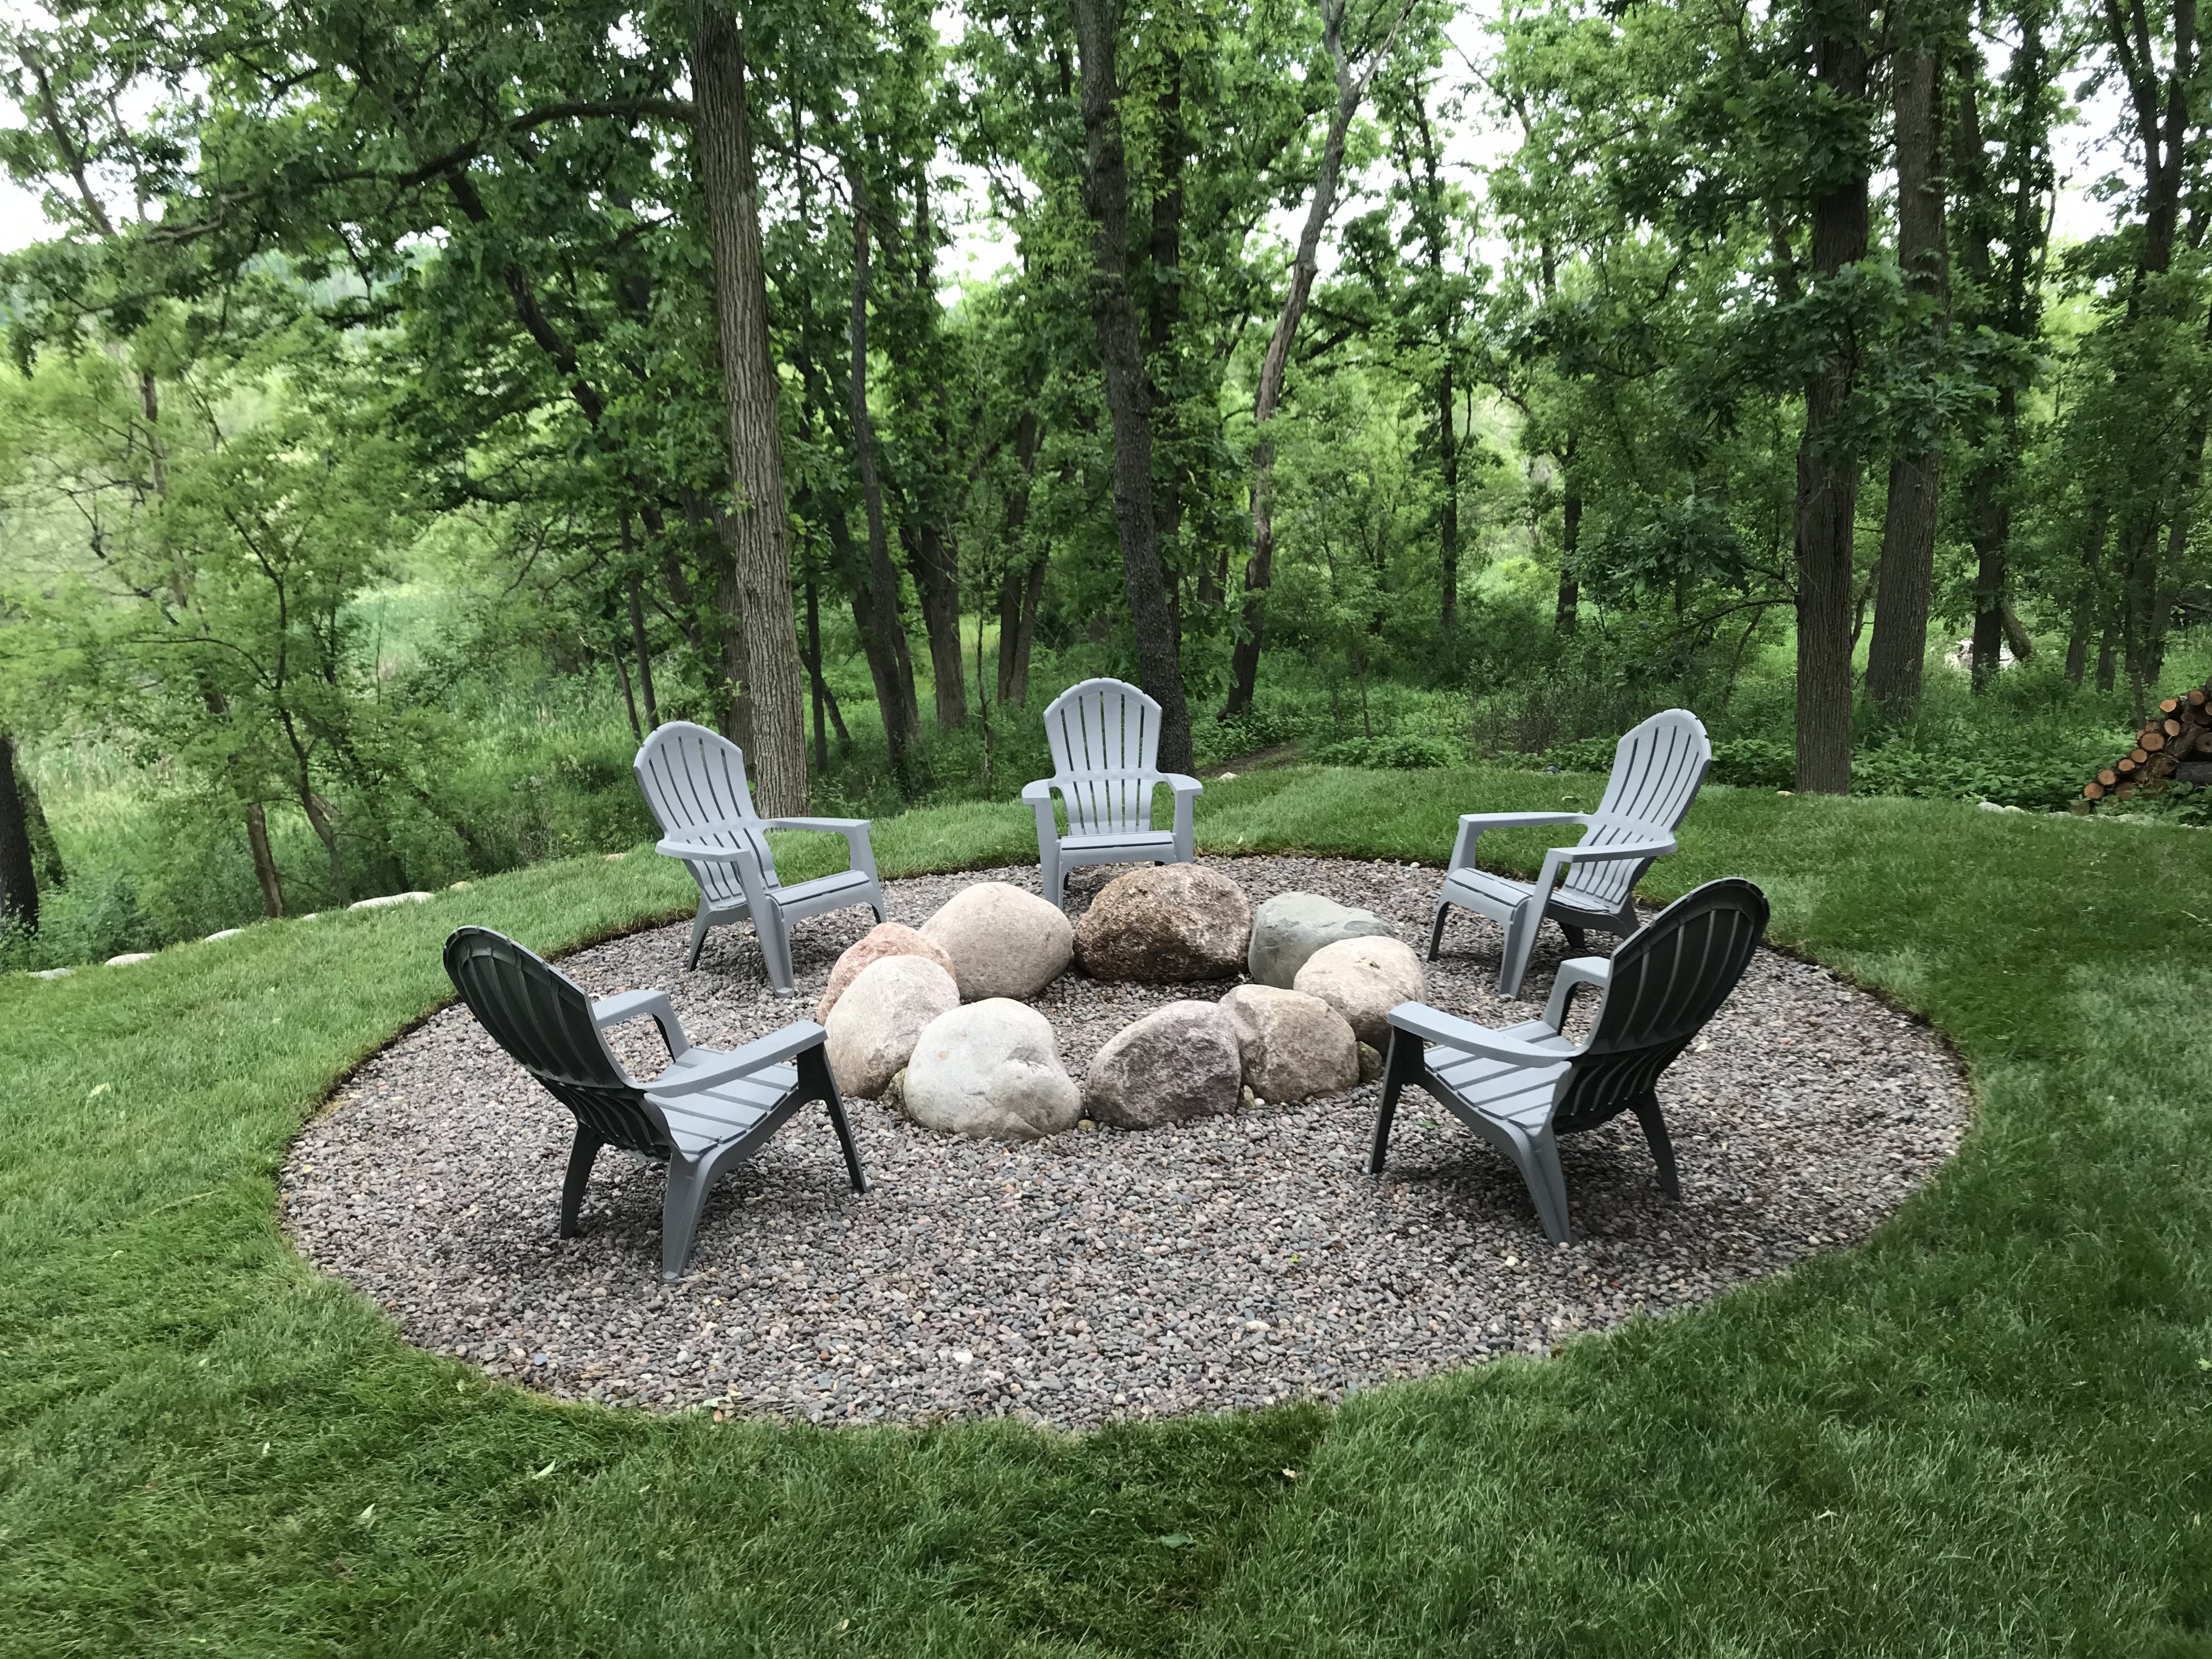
x=1657, y=770
x=1103, y=727
x=693, y=777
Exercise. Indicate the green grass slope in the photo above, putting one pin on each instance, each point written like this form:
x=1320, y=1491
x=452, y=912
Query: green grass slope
x=1987, y=1431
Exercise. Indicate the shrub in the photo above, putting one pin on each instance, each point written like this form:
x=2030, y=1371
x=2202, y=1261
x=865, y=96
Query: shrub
x=1386, y=754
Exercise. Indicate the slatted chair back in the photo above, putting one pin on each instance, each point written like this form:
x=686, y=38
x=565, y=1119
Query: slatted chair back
x=1668, y=980
x=1099, y=728
x=542, y=1018
x=1657, y=770
x=693, y=777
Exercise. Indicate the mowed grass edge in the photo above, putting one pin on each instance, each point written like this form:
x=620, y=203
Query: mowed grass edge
x=1985, y=1432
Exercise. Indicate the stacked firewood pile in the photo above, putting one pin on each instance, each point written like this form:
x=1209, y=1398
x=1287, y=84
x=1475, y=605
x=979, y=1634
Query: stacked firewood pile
x=2174, y=747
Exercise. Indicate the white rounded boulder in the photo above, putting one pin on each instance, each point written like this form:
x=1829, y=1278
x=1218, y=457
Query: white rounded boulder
x=1002, y=942
x=990, y=1069
x=1363, y=978
x=874, y=1027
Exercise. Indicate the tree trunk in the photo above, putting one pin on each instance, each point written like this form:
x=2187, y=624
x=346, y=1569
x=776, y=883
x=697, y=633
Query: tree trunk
x=1827, y=470
x=1128, y=401
x=264, y=861
x=1164, y=309
x=2104, y=663
x=1014, y=583
x=1566, y=617
x=756, y=530
x=326, y=831
x=1899, y=648
x=1433, y=235
x=814, y=673
x=629, y=699
x=937, y=578
x=1260, y=567
x=643, y=651
x=19, y=878
x=894, y=676
x=1990, y=531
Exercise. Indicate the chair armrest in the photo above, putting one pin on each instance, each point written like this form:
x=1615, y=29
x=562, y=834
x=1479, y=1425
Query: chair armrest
x=1434, y=1025
x=1560, y=860
x=699, y=852
x=1182, y=783
x=795, y=1038
x=1471, y=824
x=628, y=1004
x=855, y=830
x=1039, y=793
x=1576, y=974
x=1480, y=821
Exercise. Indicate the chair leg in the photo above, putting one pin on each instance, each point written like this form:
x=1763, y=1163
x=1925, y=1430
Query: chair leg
x=679, y=1213
x=1576, y=937
x=698, y=938
x=1646, y=1108
x=581, y=1156
x=776, y=949
x=816, y=1082
x=1519, y=945
x=1539, y=1159
x=1055, y=878
x=1405, y=1064
x=1436, y=934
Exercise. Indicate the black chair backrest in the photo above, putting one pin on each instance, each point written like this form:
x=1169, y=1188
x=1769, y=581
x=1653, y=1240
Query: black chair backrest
x=1668, y=979
x=543, y=1019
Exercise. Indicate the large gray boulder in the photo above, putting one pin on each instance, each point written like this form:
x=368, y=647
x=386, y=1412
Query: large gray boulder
x=1289, y=927
x=874, y=1027
x=1177, y=1062
x=991, y=1069
x=1002, y=942
x=1291, y=1045
x=1167, y=925
x=886, y=939
x=1363, y=978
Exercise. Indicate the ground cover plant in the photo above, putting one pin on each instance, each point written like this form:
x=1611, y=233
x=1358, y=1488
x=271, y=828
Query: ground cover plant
x=1989, y=1430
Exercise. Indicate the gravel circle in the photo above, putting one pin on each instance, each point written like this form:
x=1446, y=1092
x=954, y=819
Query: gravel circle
x=1098, y=1275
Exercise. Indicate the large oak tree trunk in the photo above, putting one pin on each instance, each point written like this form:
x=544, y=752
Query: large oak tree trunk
x=1128, y=399
x=1827, y=467
x=1899, y=648
x=756, y=530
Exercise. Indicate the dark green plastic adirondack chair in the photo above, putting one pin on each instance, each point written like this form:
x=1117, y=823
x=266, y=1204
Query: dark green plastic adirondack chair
x=1523, y=1087
x=708, y=1112
x=1657, y=770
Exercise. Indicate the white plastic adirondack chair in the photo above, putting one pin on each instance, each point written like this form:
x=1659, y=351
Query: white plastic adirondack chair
x=1657, y=770
x=1105, y=738
x=695, y=781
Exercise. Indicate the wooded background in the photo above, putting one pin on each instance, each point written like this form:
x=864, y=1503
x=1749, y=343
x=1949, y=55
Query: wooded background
x=415, y=402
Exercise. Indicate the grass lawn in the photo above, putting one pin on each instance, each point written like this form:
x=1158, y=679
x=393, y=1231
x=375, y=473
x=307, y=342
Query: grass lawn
x=1987, y=1431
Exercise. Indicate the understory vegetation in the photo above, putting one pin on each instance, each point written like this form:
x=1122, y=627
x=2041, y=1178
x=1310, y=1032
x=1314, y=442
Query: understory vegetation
x=1986, y=1431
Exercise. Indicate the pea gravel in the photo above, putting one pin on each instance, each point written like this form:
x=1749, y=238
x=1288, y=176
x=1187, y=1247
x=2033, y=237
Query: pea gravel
x=1098, y=1275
